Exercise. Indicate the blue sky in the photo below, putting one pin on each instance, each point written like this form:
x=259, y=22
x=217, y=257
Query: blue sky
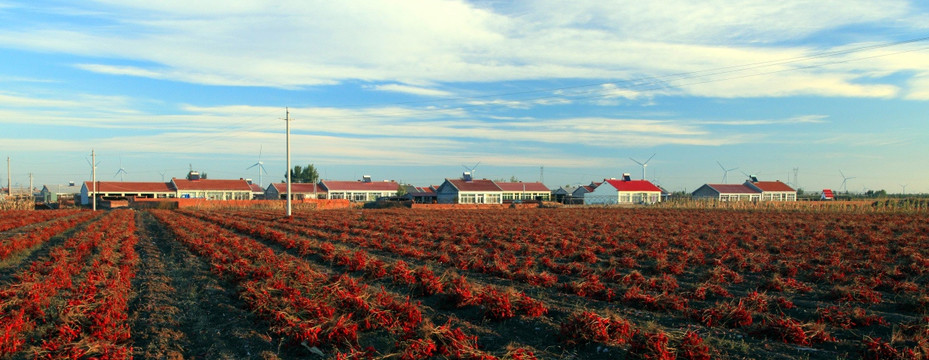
x=413, y=90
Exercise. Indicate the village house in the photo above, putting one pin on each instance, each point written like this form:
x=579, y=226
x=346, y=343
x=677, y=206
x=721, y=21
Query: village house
x=469, y=191
x=624, y=191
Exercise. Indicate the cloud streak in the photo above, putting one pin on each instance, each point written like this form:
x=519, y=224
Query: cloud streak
x=294, y=44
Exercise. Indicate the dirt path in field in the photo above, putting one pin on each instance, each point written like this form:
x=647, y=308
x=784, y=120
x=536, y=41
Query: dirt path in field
x=182, y=310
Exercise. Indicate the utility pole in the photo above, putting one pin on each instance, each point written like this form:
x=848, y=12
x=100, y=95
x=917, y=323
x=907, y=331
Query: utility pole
x=542, y=174
x=93, y=180
x=9, y=178
x=289, y=193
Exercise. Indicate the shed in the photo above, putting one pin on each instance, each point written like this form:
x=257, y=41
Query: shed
x=51, y=194
x=420, y=195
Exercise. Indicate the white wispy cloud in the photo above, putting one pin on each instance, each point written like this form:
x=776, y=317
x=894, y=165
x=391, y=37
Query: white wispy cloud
x=415, y=90
x=292, y=44
x=803, y=119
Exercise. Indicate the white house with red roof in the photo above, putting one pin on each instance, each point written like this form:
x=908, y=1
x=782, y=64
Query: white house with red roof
x=212, y=189
x=827, y=194
x=623, y=191
x=727, y=192
x=469, y=191
x=359, y=191
x=278, y=191
x=126, y=189
x=524, y=191
x=773, y=190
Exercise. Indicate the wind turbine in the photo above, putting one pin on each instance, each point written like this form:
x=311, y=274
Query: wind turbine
x=121, y=170
x=845, y=180
x=904, y=188
x=725, y=172
x=261, y=166
x=472, y=169
x=643, y=164
x=162, y=176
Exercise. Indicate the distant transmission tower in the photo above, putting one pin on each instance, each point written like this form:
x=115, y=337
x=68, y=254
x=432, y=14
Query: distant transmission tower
x=796, y=184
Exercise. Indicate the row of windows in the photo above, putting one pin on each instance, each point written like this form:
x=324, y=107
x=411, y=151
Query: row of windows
x=527, y=196
x=739, y=197
x=216, y=195
x=359, y=196
x=638, y=198
x=756, y=197
x=479, y=199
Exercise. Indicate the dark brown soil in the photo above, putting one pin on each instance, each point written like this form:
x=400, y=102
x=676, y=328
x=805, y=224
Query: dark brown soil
x=183, y=311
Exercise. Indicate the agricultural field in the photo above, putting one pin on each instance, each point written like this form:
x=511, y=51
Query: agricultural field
x=572, y=283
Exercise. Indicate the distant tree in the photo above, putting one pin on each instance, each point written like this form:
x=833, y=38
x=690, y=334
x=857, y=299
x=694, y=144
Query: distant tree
x=303, y=175
x=401, y=190
x=512, y=179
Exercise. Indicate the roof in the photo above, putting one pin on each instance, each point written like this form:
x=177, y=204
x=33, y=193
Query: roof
x=256, y=188
x=128, y=187
x=474, y=185
x=732, y=188
x=632, y=185
x=420, y=190
x=211, y=184
x=523, y=186
x=827, y=194
x=62, y=189
x=772, y=186
x=359, y=185
x=299, y=188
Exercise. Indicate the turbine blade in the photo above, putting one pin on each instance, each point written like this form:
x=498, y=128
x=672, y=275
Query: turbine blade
x=650, y=158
